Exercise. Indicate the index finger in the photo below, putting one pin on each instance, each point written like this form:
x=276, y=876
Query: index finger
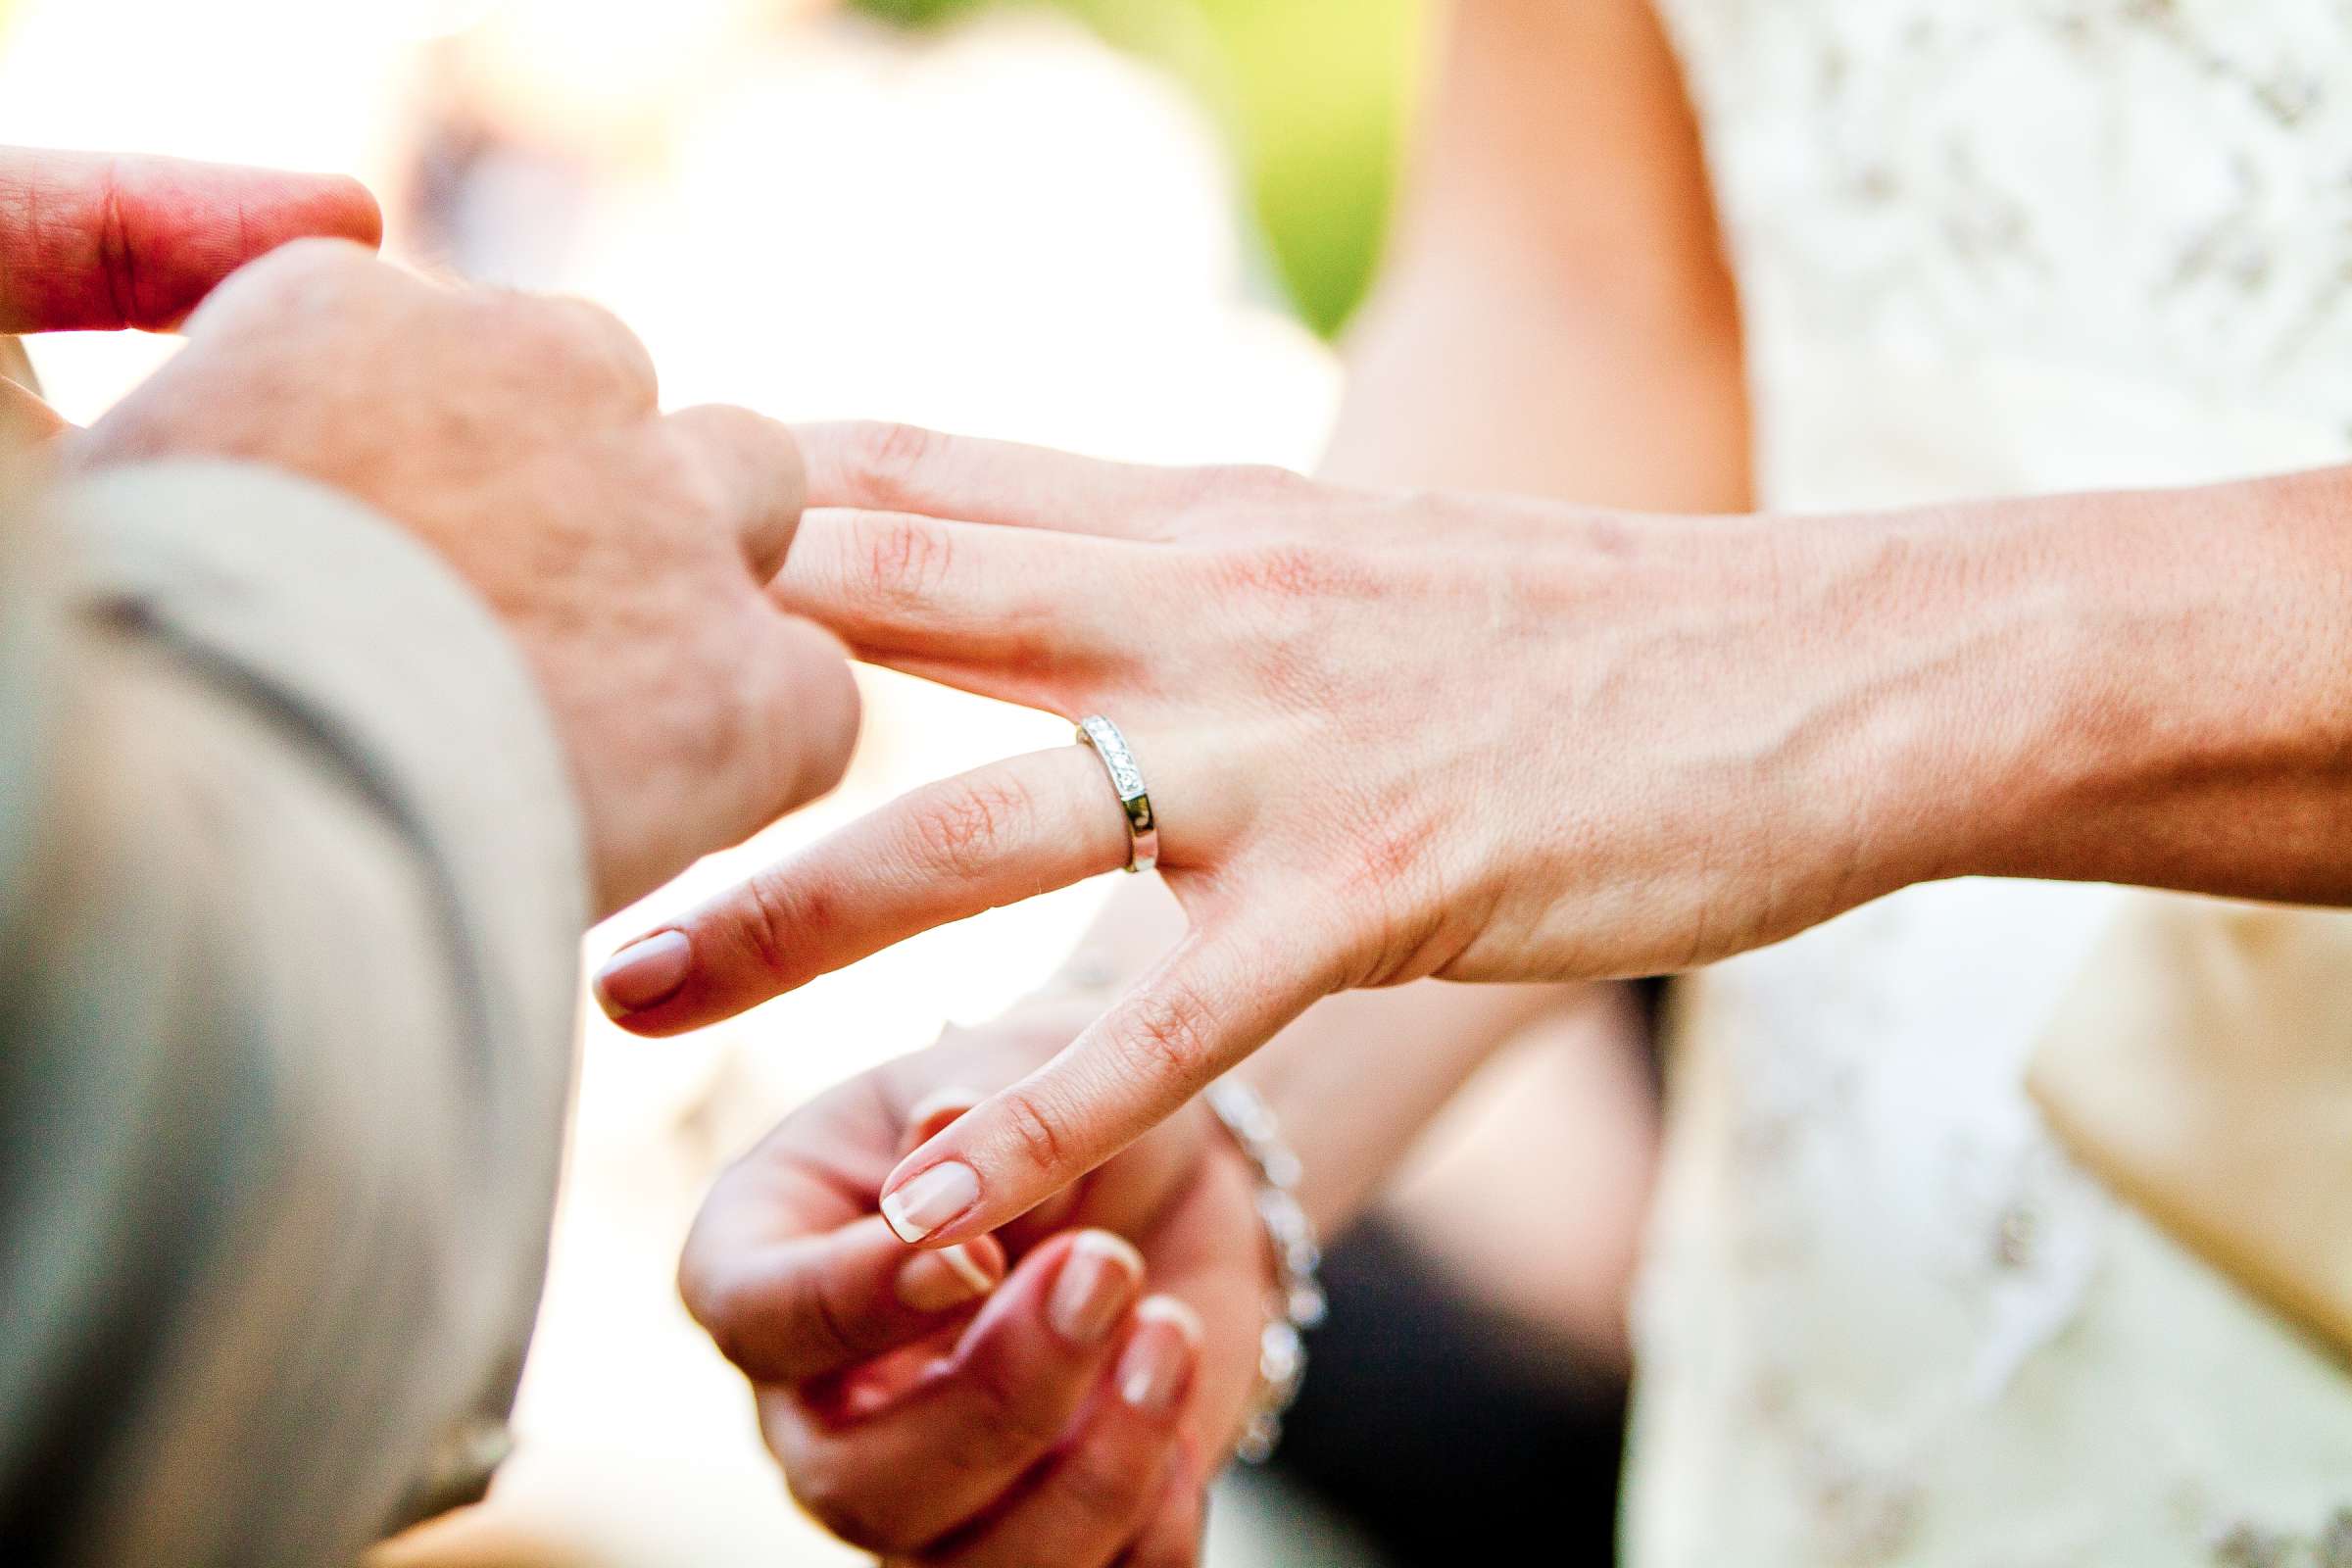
x=902, y=467
x=1220, y=995
x=95, y=242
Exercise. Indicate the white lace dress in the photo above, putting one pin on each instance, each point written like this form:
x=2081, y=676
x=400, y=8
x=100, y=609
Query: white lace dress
x=1986, y=246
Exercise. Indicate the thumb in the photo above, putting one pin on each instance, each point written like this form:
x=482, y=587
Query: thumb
x=90, y=241
x=1210, y=1003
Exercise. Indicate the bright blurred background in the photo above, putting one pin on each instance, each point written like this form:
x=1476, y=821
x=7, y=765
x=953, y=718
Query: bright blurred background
x=1004, y=220
x=1125, y=227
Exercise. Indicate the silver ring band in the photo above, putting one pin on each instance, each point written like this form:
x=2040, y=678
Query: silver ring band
x=1142, y=827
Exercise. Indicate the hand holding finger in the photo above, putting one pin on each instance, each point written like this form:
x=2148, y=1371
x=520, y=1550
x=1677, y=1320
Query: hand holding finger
x=1212, y=1003
x=796, y=1309
x=1017, y=1379
x=1103, y=1487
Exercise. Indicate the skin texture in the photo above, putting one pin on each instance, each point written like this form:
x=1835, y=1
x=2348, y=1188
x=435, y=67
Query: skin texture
x=1553, y=304
x=99, y=241
x=1350, y=796
x=1020, y=1445
x=624, y=549
x=1776, y=721
x=1486, y=739
x=96, y=242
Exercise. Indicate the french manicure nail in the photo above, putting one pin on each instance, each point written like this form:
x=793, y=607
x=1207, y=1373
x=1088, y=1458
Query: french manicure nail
x=931, y=1200
x=933, y=1282
x=1097, y=1279
x=643, y=975
x=1159, y=1359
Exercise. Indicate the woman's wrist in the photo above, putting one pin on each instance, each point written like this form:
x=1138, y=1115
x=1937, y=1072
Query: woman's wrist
x=1356, y=1081
x=2139, y=687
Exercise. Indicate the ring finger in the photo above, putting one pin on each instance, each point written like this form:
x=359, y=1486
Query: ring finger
x=1001, y=834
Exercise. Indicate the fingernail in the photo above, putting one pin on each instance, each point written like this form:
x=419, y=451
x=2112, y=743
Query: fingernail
x=933, y=1282
x=931, y=1200
x=1159, y=1359
x=644, y=973
x=1097, y=1279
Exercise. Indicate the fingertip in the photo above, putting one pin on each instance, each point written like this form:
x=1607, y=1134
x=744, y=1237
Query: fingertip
x=926, y=1205
x=643, y=975
x=357, y=213
x=1156, y=1369
x=951, y=1277
x=822, y=707
x=1095, y=1284
x=762, y=475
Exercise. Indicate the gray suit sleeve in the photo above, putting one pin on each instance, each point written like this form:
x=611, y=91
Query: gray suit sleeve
x=291, y=892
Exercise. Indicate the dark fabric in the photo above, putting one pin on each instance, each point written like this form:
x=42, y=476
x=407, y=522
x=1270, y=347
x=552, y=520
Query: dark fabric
x=1449, y=1431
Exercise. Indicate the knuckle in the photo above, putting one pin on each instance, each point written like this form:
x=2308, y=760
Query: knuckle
x=1170, y=1033
x=688, y=482
x=771, y=919
x=890, y=458
x=305, y=275
x=904, y=561
x=1287, y=569
x=1034, y=1127
x=320, y=258
x=582, y=342
x=963, y=829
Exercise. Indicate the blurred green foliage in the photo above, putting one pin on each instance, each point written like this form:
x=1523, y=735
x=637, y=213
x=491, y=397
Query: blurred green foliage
x=905, y=13
x=1317, y=97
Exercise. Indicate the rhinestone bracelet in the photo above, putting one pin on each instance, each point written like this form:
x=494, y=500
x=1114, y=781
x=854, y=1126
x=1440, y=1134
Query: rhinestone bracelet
x=1295, y=1302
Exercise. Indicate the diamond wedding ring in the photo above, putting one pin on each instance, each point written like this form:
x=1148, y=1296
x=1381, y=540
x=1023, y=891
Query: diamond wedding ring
x=1143, y=828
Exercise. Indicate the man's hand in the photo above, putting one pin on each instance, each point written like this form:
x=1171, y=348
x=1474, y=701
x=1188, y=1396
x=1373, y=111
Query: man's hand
x=625, y=550
x=935, y=1408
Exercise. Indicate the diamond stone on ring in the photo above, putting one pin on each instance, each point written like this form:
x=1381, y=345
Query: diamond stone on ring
x=1143, y=828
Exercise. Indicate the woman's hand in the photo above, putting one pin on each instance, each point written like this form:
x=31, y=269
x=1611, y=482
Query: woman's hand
x=936, y=1408
x=1387, y=736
